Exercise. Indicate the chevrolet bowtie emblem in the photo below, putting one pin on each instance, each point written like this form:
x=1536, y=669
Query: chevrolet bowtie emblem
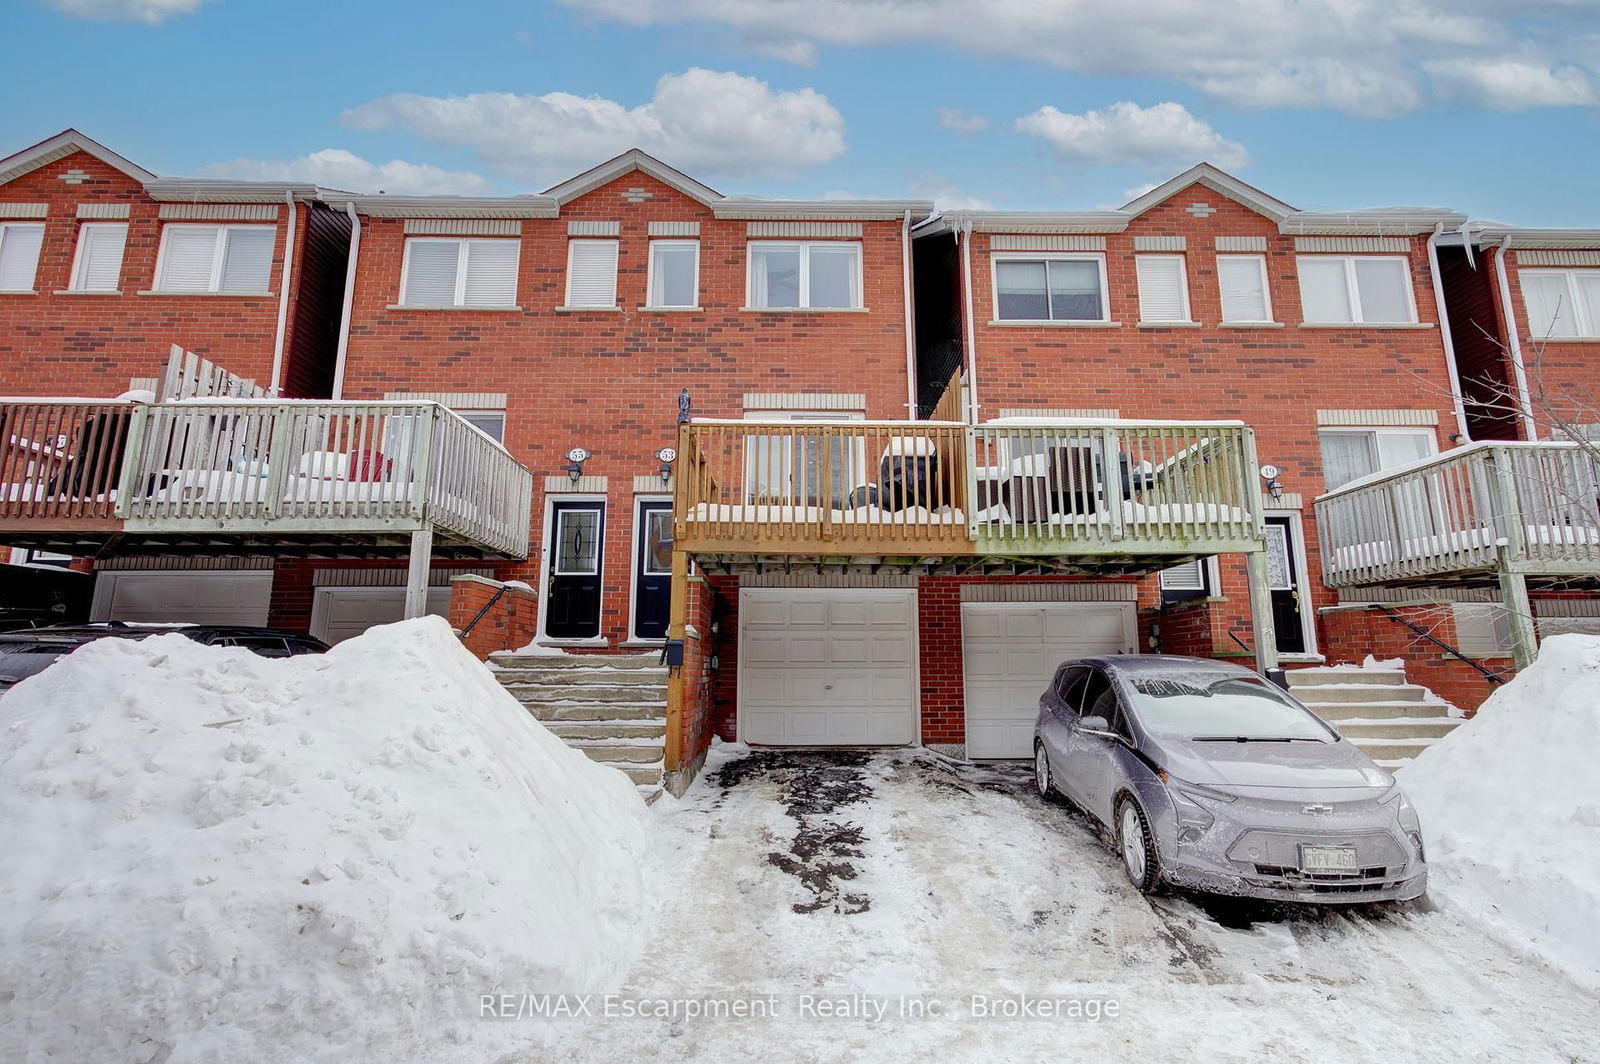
x=1316, y=810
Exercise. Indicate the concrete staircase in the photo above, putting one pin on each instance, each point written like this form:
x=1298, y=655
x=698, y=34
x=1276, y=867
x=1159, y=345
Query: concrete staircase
x=1391, y=720
x=612, y=707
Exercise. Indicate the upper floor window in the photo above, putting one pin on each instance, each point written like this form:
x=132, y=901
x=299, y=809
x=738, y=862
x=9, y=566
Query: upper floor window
x=19, y=254
x=1350, y=454
x=1369, y=289
x=215, y=258
x=455, y=272
x=1562, y=303
x=491, y=423
x=1242, y=280
x=1163, y=288
x=674, y=273
x=1052, y=288
x=97, y=267
x=591, y=273
x=793, y=275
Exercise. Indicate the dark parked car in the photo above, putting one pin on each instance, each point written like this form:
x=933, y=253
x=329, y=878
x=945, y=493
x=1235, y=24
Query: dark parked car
x=1211, y=779
x=28, y=651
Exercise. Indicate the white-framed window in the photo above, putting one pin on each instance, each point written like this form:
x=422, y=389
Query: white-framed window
x=215, y=258
x=491, y=423
x=813, y=275
x=1163, y=288
x=458, y=272
x=97, y=265
x=1242, y=281
x=1562, y=303
x=1350, y=454
x=19, y=254
x=1068, y=287
x=1190, y=580
x=674, y=273
x=1359, y=289
x=591, y=273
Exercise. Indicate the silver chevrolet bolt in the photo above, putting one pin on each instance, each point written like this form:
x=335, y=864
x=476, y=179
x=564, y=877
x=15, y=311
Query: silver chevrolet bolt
x=1211, y=779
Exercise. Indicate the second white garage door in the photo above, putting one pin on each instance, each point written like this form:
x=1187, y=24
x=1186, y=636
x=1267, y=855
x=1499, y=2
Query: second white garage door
x=833, y=667
x=1010, y=651
x=337, y=613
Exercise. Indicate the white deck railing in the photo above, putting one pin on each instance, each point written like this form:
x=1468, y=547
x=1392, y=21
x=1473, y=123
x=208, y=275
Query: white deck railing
x=1529, y=507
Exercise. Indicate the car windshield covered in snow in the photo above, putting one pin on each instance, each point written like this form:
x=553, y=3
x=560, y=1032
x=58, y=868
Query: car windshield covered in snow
x=1229, y=709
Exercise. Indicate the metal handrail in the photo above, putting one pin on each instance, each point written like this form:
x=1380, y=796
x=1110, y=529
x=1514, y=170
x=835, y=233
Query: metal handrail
x=1389, y=612
x=487, y=606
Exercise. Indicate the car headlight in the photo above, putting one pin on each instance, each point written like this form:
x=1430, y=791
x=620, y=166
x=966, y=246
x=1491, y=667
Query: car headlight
x=1189, y=803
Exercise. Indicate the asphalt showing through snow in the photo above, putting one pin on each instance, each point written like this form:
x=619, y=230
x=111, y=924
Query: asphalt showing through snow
x=893, y=906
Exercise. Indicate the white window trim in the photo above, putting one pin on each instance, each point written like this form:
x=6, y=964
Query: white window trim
x=650, y=275
x=1357, y=430
x=805, y=247
x=461, y=273
x=75, y=283
x=1586, y=329
x=500, y=413
x=1353, y=290
x=1098, y=258
x=1183, y=287
x=4, y=226
x=1266, y=293
x=218, y=260
x=568, y=304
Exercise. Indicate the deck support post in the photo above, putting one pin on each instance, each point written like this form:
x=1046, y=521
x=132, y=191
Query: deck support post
x=417, y=572
x=1266, y=633
x=1519, y=614
x=677, y=629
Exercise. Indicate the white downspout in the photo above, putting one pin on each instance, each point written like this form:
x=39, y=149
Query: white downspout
x=349, y=299
x=1514, y=341
x=283, y=298
x=964, y=236
x=1457, y=403
x=911, y=328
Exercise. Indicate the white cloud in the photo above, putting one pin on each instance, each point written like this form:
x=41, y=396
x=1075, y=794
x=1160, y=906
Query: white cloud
x=337, y=168
x=947, y=196
x=703, y=121
x=1370, y=57
x=1512, y=84
x=149, y=11
x=959, y=121
x=1163, y=136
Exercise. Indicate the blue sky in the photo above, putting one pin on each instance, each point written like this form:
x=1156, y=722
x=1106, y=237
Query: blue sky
x=1488, y=106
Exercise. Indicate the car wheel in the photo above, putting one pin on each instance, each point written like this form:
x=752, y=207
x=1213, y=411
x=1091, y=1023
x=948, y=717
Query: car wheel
x=1041, y=773
x=1137, y=846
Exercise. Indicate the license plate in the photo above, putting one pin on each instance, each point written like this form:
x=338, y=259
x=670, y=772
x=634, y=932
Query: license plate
x=1328, y=859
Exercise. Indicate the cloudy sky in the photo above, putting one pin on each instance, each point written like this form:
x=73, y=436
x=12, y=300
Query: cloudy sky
x=1488, y=106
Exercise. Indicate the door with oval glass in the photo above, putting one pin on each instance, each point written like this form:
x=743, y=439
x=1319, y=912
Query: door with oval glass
x=572, y=592
x=1283, y=575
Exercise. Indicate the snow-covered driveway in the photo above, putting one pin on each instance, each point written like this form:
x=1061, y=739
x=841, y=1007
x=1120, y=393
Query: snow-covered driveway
x=921, y=883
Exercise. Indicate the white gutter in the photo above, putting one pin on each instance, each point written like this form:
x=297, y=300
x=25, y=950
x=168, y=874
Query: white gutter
x=964, y=237
x=349, y=299
x=283, y=300
x=1456, y=402
x=1508, y=312
x=911, y=328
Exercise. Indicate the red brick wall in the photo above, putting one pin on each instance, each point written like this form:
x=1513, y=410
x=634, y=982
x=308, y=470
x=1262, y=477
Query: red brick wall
x=724, y=686
x=93, y=344
x=1359, y=632
x=699, y=681
x=509, y=622
x=609, y=381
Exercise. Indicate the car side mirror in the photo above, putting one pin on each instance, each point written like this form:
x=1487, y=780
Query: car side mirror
x=1095, y=726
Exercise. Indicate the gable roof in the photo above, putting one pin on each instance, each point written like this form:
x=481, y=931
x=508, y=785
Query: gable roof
x=1218, y=181
x=629, y=161
x=62, y=145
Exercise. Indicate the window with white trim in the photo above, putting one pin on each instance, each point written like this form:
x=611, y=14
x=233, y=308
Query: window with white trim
x=793, y=274
x=1190, y=580
x=674, y=273
x=215, y=258
x=591, y=273
x=491, y=423
x=1050, y=288
x=1242, y=282
x=1163, y=288
x=19, y=254
x=458, y=272
x=1358, y=289
x=97, y=265
x=1562, y=303
x=1350, y=454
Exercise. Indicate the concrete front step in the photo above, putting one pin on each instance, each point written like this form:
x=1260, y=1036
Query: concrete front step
x=576, y=677
x=510, y=659
x=1347, y=692
x=1391, y=752
x=1318, y=676
x=610, y=729
x=572, y=711
x=642, y=775
x=1398, y=728
x=541, y=692
x=631, y=751
x=1333, y=712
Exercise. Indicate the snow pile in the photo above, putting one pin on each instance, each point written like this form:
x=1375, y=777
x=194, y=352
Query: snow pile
x=1510, y=807
x=215, y=856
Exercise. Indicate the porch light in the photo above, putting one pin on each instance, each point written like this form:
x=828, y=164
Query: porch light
x=575, y=459
x=667, y=456
x=1269, y=473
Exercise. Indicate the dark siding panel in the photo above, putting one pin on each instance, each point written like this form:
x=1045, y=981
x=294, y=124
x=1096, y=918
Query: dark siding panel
x=937, y=272
x=1481, y=358
x=314, y=337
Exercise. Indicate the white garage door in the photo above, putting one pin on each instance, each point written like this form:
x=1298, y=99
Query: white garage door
x=337, y=613
x=210, y=597
x=832, y=667
x=1010, y=652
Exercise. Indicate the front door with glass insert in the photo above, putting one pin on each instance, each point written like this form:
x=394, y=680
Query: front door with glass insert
x=1283, y=577
x=572, y=595
x=652, y=570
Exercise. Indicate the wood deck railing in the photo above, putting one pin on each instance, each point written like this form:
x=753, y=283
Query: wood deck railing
x=61, y=461
x=1532, y=508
